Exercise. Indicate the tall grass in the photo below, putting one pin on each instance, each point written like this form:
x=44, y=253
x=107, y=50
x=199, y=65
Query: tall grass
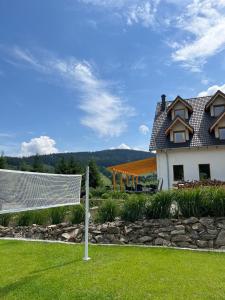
x=134, y=208
x=159, y=205
x=107, y=211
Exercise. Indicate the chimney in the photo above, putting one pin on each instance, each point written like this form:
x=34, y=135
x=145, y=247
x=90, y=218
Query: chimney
x=163, y=103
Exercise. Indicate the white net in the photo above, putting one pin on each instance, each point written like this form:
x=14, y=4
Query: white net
x=20, y=191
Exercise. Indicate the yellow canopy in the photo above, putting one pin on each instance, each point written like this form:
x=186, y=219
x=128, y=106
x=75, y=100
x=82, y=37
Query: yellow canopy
x=136, y=168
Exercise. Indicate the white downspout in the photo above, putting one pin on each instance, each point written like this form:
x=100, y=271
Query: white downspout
x=168, y=173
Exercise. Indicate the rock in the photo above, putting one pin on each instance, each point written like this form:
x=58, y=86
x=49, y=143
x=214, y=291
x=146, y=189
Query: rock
x=113, y=230
x=164, y=235
x=99, y=238
x=162, y=242
x=202, y=244
x=180, y=238
x=190, y=220
x=123, y=240
x=65, y=236
x=198, y=227
x=220, y=241
x=180, y=227
x=127, y=230
x=177, y=232
x=212, y=231
x=207, y=236
x=186, y=245
x=145, y=239
x=166, y=229
x=207, y=222
x=53, y=226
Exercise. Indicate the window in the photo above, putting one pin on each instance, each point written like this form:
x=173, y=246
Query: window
x=204, y=171
x=180, y=113
x=218, y=109
x=179, y=136
x=222, y=133
x=178, y=172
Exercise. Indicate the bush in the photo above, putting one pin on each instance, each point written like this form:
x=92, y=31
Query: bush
x=107, y=211
x=24, y=219
x=214, y=201
x=57, y=214
x=190, y=202
x=97, y=192
x=39, y=217
x=5, y=219
x=77, y=214
x=159, y=206
x=133, y=208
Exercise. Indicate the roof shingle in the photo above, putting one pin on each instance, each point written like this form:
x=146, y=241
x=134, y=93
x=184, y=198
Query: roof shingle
x=200, y=120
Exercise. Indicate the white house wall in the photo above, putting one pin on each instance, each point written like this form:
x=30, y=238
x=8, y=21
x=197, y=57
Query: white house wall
x=190, y=159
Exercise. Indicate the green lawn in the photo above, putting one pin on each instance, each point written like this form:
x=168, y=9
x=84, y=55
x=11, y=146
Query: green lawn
x=33, y=270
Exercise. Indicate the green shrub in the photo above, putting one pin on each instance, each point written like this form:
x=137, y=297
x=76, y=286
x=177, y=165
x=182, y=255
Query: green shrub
x=97, y=192
x=40, y=217
x=57, y=214
x=24, y=219
x=5, y=219
x=119, y=195
x=190, y=202
x=107, y=211
x=133, y=208
x=106, y=196
x=77, y=214
x=214, y=201
x=159, y=206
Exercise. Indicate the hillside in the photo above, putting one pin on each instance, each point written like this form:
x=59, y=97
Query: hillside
x=103, y=158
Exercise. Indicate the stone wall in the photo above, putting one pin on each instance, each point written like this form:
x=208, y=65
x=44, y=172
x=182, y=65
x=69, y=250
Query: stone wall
x=191, y=233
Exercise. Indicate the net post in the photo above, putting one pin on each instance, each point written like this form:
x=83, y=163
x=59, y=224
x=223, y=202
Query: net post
x=87, y=214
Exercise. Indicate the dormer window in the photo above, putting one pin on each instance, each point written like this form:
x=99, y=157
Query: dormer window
x=179, y=136
x=218, y=109
x=179, y=112
x=216, y=105
x=222, y=133
x=179, y=130
x=179, y=108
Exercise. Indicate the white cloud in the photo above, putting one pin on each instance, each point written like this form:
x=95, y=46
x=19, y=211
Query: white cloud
x=133, y=11
x=41, y=145
x=204, y=20
x=143, y=129
x=123, y=146
x=212, y=90
x=104, y=111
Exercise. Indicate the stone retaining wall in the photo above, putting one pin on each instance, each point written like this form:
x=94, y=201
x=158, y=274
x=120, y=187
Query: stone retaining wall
x=192, y=233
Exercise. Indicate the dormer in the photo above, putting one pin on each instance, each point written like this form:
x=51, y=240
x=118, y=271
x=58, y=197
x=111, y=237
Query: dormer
x=179, y=131
x=216, y=105
x=179, y=108
x=218, y=127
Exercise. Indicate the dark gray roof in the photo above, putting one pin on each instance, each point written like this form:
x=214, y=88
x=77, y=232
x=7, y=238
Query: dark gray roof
x=199, y=120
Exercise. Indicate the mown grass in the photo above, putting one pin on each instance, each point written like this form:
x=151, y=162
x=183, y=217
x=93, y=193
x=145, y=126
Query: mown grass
x=32, y=270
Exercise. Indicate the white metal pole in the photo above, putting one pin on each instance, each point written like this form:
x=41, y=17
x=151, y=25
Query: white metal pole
x=87, y=215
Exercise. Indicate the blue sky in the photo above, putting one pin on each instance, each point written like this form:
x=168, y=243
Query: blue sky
x=79, y=75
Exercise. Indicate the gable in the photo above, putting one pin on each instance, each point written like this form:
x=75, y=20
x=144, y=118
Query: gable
x=179, y=102
x=217, y=99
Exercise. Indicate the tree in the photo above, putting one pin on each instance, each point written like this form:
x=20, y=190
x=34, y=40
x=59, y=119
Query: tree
x=37, y=165
x=95, y=179
x=61, y=167
x=3, y=161
x=24, y=166
x=74, y=167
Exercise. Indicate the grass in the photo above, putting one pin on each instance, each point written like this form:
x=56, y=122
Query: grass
x=33, y=270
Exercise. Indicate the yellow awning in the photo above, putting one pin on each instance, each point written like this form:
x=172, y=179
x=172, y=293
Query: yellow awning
x=136, y=168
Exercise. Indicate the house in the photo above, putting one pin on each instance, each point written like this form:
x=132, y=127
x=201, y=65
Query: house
x=188, y=137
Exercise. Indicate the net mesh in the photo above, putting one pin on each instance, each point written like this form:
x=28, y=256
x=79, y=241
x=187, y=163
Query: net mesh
x=20, y=191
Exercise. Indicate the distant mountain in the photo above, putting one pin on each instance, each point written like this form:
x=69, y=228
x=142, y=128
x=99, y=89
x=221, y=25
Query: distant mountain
x=103, y=158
